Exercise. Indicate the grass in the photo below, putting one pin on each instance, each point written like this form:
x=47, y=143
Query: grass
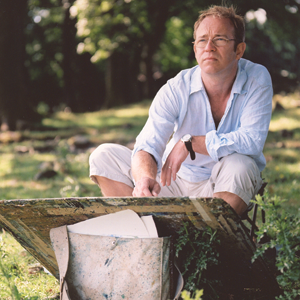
x=282, y=152
x=22, y=271
x=22, y=155
x=18, y=169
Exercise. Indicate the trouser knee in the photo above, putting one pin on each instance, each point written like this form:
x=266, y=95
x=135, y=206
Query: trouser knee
x=237, y=174
x=101, y=152
x=239, y=165
x=112, y=161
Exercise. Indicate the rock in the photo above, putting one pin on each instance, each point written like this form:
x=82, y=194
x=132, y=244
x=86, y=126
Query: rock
x=278, y=107
x=127, y=126
x=48, y=146
x=287, y=133
x=79, y=142
x=23, y=149
x=36, y=268
x=46, y=165
x=46, y=174
x=280, y=145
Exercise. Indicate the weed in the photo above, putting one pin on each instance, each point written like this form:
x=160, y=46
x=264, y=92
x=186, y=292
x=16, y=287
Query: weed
x=187, y=295
x=283, y=230
x=198, y=252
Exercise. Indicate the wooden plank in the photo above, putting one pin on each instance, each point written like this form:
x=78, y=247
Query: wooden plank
x=30, y=221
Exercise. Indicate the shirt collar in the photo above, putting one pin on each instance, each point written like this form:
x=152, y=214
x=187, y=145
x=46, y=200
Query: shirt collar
x=196, y=81
x=240, y=80
x=237, y=88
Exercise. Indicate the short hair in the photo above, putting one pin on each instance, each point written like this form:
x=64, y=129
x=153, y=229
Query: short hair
x=237, y=21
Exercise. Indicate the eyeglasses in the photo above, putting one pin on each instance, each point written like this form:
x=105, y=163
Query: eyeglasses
x=217, y=41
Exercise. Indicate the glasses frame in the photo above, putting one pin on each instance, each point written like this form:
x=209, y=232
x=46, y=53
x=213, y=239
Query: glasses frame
x=226, y=39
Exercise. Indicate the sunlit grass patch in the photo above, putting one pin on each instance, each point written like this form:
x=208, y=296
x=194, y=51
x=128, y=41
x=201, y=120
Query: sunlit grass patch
x=23, y=272
x=282, y=175
x=287, y=121
x=134, y=114
x=282, y=152
x=288, y=101
x=22, y=166
x=288, y=117
x=6, y=163
x=14, y=189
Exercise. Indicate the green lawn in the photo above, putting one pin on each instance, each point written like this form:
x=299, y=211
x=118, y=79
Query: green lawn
x=282, y=152
x=21, y=157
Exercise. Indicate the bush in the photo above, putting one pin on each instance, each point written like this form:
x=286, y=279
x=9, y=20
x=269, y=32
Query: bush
x=198, y=252
x=283, y=232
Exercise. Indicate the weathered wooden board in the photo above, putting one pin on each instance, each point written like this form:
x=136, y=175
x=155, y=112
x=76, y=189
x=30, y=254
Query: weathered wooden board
x=30, y=221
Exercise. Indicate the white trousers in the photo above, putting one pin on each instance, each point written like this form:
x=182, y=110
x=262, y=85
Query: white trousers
x=236, y=173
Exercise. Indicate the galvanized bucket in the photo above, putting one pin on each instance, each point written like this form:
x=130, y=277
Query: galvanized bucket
x=105, y=267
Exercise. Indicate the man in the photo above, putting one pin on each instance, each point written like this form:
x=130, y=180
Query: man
x=206, y=128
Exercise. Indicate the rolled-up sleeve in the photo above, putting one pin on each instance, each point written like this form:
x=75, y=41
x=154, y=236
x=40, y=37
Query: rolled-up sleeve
x=252, y=130
x=160, y=125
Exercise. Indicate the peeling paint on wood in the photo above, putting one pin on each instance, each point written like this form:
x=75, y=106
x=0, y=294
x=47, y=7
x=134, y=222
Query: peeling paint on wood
x=30, y=221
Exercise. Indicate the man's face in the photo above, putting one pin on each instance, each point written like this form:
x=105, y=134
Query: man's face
x=215, y=60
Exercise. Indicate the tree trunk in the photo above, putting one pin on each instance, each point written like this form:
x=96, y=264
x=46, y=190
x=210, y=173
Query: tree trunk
x=159, y=12
x=69, y=64
x=121, y=80
x=12, y=52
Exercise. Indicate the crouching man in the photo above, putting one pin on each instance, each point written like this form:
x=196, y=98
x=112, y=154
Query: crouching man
x=217, y=115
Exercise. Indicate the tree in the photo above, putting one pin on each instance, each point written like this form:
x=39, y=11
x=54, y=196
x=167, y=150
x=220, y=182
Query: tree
x=140, y=41
x=272, y=39
x=13, y=93
x=59, y=76
x=126, y=34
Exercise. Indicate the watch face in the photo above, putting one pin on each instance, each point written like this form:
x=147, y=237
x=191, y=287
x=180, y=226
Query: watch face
x=186, y=137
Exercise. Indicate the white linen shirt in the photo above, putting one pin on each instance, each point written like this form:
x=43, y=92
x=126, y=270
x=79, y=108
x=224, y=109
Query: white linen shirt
x=182, y=106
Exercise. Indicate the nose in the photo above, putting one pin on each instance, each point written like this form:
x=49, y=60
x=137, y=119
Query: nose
x=210, y=46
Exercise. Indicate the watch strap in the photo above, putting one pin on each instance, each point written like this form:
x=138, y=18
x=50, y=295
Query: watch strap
x=189, y=147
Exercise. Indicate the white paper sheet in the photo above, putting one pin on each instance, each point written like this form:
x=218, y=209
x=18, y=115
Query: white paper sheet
x=125, y=223
x=150, y=225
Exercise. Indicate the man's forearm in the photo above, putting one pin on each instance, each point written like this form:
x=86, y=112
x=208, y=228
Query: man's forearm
x=198, y=144
x=143, y=165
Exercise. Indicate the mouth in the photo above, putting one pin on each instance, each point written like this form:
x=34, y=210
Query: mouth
x=210, y=59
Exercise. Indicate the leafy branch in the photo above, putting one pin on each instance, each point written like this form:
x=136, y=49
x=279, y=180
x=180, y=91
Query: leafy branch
x=198, y=251
x=283, y=230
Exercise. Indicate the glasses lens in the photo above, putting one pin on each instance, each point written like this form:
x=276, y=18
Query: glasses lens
x=220, y=41
x=201, y=43
x=216, y=41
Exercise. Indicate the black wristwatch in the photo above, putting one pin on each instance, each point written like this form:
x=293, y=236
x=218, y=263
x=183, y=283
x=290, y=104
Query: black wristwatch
x=187, y=139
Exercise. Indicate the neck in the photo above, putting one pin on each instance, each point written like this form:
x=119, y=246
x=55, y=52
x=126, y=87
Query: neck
x=219, y=84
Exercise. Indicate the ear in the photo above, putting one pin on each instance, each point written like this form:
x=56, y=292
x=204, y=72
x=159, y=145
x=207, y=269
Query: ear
x=195, y=49
x=240, y=49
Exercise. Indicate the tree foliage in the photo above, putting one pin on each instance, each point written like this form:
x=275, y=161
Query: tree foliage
x=87, y=54
x=127, y=33
x=58, y=75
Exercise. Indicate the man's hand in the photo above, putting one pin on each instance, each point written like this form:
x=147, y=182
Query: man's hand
x=177, y=156
x=146, y=187
x=144, y=170
x=173, y=163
